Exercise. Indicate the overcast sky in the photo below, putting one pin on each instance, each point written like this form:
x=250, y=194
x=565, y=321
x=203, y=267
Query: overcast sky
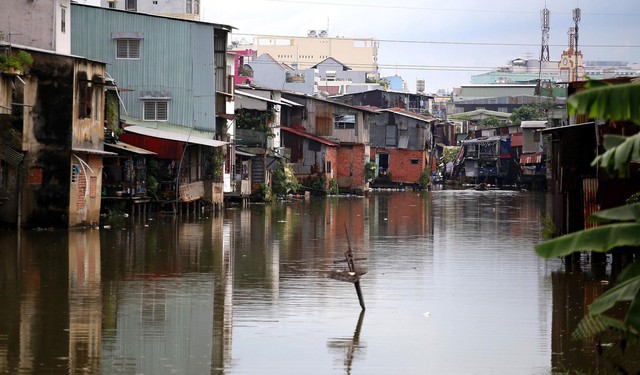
x=444, y=42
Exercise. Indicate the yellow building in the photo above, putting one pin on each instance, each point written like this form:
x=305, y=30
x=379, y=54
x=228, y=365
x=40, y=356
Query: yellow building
x=305, y=52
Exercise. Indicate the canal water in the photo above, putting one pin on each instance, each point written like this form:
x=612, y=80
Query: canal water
x=453, y=286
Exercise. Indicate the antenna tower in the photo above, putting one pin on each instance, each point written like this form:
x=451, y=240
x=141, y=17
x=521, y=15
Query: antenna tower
x=544, y=17
x=544, y=50
x=576, y=20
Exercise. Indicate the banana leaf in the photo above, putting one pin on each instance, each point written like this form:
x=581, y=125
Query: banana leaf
x=629, y=212
x=599, y=239
x=608, y=102
x=625, y=291
x=618, y=158
x=592, y=325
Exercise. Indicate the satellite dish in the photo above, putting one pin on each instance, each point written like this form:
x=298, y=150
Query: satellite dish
x=324, y=93
x=323, y=33
x=312, y=33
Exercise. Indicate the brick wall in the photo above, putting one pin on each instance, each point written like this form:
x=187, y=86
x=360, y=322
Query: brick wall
x=402, y=169
x=332, y=156
x=350, y=169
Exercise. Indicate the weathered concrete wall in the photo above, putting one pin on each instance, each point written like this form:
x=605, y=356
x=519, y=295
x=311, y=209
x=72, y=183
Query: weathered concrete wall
x=46, y=140
x=85, y=189
x=87, y=133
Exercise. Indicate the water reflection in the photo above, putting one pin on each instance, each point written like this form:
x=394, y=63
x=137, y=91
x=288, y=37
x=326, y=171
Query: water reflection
x=85, y=302
x=349, y=347
x=247, y=291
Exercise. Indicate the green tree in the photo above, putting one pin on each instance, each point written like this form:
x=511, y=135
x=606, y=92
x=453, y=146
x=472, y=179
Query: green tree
x=370, y=170
x=526, y=113
x=284, y=180
x=619, y=226
x=491, y=121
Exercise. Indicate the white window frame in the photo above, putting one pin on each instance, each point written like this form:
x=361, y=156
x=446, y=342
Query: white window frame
x=63, y=19
x=344, y=121
x=193, y=7
x=155, y=106
x=132, y=48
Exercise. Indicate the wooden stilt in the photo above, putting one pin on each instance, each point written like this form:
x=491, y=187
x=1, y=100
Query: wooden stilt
x=352, y=274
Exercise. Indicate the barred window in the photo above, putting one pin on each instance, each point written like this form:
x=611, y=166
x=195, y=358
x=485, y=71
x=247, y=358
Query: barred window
x=128, y=49
x=155, y=110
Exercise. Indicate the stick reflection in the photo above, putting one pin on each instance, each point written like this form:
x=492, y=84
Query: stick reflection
x=351, y=347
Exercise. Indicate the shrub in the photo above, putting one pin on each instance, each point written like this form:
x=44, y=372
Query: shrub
x=333, y=187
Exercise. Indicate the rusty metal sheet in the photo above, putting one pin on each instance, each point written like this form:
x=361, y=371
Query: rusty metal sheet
x=589, y=202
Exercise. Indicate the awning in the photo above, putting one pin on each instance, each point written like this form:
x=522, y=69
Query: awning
x=243, y=153
x=258, y=97
x=535, y=158
x=129, y=148
x=307, y=135
x=93, y=151
x=164, y=134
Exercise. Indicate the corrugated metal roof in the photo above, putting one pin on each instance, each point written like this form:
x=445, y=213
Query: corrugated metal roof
x=307, y=135
x=129, y=148
x=93, y=151
x=533, y=124
x=291, y=102
x=258, y=97
x=243, y=153
x=534, y=158
x=163, y=134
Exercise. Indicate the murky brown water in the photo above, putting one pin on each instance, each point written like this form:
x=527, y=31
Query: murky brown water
x=453, y=287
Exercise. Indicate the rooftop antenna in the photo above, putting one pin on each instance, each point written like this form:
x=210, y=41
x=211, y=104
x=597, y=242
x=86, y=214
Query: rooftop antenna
x=576, y=20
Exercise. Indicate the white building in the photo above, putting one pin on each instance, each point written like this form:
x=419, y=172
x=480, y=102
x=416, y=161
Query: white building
x=189, y=9
x=29, y=23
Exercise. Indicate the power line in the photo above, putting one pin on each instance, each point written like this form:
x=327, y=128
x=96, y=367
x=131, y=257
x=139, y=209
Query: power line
x=362, y=5
x=453, y=68
x=407, y=41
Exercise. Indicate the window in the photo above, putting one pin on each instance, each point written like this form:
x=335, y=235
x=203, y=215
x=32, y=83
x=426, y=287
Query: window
x=414, y=161
x=193, y=6
x=85, y=100
x=128, y=49
x=75, y=172
x=112, y=4
x=63, y=19
x=155, y=110
x=344, y=121
x=131, y=5
x=328, y=170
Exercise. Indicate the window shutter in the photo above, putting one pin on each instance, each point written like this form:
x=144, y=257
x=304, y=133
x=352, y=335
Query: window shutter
x=149, y=110
x=161, y=111
x=134, y=48
x=121, y=48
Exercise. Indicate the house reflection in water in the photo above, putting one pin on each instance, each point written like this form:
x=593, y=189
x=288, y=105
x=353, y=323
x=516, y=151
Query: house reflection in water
x=85, y=302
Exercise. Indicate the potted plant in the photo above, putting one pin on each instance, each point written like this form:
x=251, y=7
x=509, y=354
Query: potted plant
x=19, y=63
